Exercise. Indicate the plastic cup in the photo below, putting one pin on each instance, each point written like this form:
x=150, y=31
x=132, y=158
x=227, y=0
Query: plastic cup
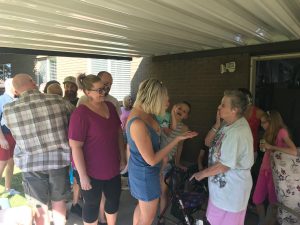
x=262, y=141
x=199, y=222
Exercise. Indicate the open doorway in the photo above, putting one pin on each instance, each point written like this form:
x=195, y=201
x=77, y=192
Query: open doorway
x=276, y=84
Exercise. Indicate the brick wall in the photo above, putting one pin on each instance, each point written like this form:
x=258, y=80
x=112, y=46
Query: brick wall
x=141, y=69
x=199, y=82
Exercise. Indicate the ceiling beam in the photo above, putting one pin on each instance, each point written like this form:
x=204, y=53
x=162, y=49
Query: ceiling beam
x=58, y=53
x=253, y=50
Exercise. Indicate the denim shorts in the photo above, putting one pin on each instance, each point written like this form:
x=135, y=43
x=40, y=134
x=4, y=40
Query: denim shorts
x=44, y=186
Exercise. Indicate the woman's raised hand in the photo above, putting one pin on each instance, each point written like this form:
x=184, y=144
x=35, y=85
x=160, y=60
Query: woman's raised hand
x=173, y=111
x=218, y=120
x=187, y=135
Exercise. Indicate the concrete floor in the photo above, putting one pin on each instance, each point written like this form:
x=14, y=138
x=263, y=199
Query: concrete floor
x=127, y=206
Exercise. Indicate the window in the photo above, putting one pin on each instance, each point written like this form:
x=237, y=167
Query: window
x=5, y=71
x=120, y=71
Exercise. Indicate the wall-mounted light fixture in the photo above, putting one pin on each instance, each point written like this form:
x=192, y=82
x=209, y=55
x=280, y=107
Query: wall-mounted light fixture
x=227, y=67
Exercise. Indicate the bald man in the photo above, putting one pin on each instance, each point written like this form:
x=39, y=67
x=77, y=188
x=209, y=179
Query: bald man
x=39, y=124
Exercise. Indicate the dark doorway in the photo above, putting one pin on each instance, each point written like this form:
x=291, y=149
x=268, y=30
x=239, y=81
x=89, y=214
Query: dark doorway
x=278, y=87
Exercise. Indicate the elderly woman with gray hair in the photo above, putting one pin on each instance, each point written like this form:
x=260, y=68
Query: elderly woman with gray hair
x=230, y=160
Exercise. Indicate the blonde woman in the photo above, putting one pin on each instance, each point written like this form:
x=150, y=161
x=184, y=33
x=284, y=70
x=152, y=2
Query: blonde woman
x=143, y=134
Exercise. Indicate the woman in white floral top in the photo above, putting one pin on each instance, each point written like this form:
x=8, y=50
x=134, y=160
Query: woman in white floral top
x=230, y=159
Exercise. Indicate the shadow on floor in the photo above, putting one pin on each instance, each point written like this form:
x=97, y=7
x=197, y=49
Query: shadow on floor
x=127, y=206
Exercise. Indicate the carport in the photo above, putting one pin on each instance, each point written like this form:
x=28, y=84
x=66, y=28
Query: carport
x=198, y=48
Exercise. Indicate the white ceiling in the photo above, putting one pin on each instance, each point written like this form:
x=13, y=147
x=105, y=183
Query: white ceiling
x=130, y=28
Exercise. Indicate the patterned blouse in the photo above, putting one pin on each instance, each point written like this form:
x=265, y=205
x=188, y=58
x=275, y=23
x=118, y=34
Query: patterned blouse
x=286, y=175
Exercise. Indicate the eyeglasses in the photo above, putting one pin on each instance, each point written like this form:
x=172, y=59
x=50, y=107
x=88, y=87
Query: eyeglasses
x=100, y=90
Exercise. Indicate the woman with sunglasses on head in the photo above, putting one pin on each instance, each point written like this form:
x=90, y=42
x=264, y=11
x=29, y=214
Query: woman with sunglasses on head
x=96, y=140
x=276, y=139
x=143, y=135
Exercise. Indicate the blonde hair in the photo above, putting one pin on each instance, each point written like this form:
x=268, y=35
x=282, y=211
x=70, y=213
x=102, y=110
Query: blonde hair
x=275, y=124
x=151, y=96
x=85, y=82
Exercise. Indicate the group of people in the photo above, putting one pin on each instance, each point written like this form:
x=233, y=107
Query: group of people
x=43, y=129
x=47, y=127
x=233, y=142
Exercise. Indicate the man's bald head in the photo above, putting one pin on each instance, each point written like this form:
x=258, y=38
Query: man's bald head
x=101, y=73
x=23, y=82
x=106, y=79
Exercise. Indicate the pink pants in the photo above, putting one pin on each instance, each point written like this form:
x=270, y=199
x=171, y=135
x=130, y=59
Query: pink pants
x=264, y=187
x=217, y=216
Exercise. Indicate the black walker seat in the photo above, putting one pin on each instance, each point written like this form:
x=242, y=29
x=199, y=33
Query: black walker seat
x=183, y=203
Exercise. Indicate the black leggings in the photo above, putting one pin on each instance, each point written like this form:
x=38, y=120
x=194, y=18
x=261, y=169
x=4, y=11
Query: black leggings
x=112, y=191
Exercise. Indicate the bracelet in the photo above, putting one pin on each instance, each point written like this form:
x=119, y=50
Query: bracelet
x=214, y=129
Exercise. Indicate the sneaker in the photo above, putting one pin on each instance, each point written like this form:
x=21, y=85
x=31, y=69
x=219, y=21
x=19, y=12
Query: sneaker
x=99, y=223
x=124, y=171
x=124, y=183
x=13, y=192
x=10, y=192
x=124, y=188
x=76, y=209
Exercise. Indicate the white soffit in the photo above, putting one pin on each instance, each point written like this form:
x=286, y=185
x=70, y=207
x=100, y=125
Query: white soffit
x=130, y=28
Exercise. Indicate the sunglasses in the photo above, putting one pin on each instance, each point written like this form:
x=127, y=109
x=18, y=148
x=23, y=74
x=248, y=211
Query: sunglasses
x=100, y=90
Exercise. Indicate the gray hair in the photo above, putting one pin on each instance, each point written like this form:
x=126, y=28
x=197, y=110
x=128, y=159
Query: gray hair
x=238, y=100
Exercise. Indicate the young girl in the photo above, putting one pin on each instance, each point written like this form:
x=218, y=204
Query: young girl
x=180, y=111
x=276, y=138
